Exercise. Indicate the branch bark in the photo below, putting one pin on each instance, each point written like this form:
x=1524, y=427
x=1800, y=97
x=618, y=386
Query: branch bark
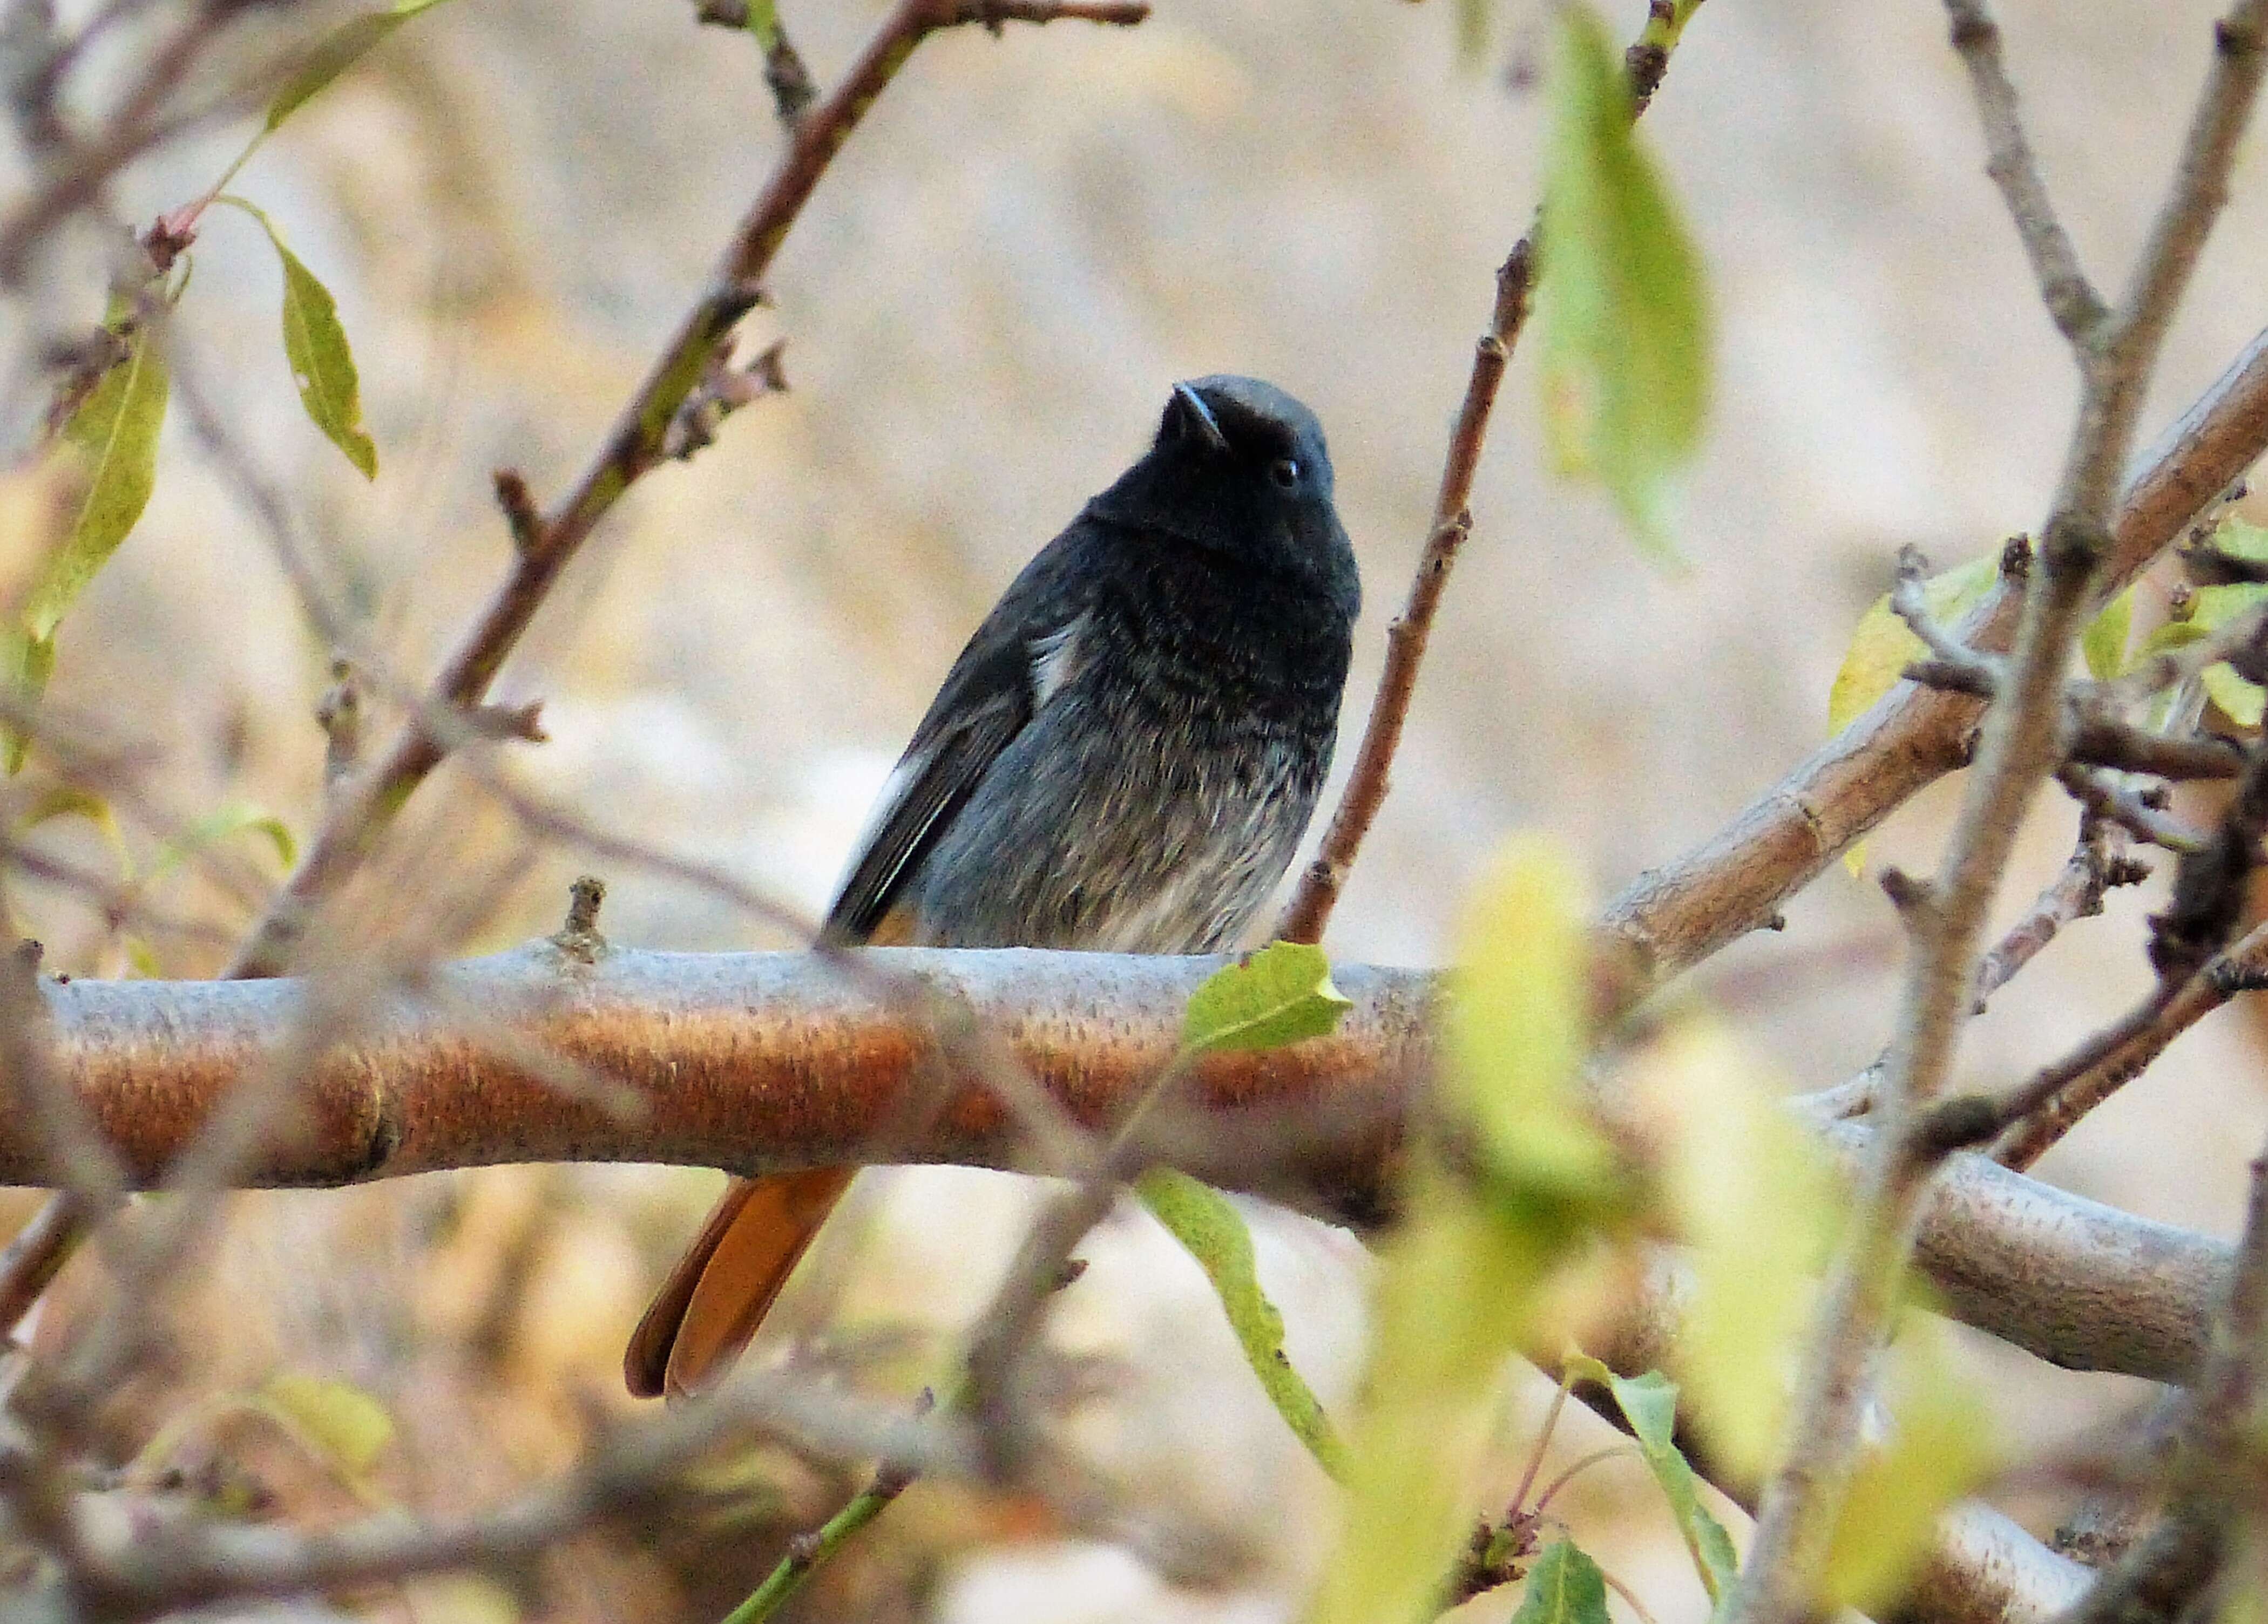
x=763, y=1062
x=1672, y=917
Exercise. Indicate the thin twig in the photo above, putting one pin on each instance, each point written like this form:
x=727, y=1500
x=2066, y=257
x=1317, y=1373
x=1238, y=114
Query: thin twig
x=2024, y=738
x=1309, y=911
x=2079, y=1090
x=635, y=443
x=2097, y=865
x=2064, y=288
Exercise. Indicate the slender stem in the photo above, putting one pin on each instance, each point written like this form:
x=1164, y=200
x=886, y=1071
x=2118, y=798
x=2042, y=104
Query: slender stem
x=1309, y=911
x=2024, y=738
x=1542, y=1440
x=633, y=446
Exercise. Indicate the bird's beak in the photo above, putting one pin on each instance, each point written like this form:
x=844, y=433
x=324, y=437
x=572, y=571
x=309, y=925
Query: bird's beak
x=1202, y=413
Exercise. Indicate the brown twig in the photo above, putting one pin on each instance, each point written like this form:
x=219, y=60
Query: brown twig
x=2025, y=736
x=2073, y=1091
x=1309, y=911
x=2064, y=288
x=2098, y=864
x=636, y=445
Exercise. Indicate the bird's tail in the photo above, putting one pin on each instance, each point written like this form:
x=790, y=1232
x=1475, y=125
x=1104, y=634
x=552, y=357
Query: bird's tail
x=721, y=1289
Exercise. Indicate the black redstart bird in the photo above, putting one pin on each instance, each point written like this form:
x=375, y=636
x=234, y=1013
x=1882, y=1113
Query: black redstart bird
x=1123, y=760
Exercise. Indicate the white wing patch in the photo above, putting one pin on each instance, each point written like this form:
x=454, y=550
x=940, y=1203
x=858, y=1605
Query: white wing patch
x=902, y=778
x=1054, y=658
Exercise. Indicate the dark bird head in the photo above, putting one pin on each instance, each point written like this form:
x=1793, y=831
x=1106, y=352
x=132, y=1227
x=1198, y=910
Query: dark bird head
x=1240, y=468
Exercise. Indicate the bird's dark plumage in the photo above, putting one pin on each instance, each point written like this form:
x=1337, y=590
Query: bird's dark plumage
x=1124, y=759
x=1128, y=750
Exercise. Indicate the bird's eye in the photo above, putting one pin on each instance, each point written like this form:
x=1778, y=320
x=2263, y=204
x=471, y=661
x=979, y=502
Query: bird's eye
x=1284, y=471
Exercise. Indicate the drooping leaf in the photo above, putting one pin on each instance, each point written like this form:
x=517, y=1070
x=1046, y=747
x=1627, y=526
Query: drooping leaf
x=2104, y=642
x=1280, y=995
x=347, y=1425
x=114, y=435
x=315, y=346
x=1758, y=1206
x=1649, y=1403
x=1487, y=1227
x=226, y=822
x=109, y=449
x=63, y=800
x=28, y=663
x=1565, y=1587
x=1625, y=331
x=1456, y=1285
x=1940, y=1446
x=337, y=51
x=1208, y=1225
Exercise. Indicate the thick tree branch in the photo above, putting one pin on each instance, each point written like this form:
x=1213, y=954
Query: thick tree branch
x=764, y=1061
x=1672, y=917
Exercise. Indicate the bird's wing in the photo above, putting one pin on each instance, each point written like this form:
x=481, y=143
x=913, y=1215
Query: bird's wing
x=1010, y=667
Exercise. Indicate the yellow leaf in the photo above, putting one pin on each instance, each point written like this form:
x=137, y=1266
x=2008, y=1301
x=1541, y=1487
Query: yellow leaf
x=1757, y=1202
x=346, y=1425
x=1940, y=1446
x=1882, y=646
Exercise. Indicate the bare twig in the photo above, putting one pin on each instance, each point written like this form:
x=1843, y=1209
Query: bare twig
x=637, y=1467
x=1309, y=910
x=2097, y=864
x=2064, y=288
x=2025, y=736
x=2078, y=1089
x=636, y=443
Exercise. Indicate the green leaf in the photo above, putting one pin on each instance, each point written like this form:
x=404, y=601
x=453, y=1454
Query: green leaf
x=64, y=800
x=2212, y=609
x=1280, y=995
x=1462, y=1279
x=114, y=435
x=2239, y=540
x=345, y=1425
x=337, y=51
x=27, y=662
x=1519, y=1026
x=1649, y=1403
x=110, y=445
x=1565, y=1587
x=763, y=22
x=315, y=346
x=1204, y=1221
x=1457, y=1286
x=1625, y=328
x=2240, y=701
x=2104, y=642
x=225, y=822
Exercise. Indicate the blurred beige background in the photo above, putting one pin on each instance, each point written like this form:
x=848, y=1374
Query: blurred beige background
x=1028, y=242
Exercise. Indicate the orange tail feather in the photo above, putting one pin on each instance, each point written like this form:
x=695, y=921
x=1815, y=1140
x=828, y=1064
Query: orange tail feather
x=718, y=1294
